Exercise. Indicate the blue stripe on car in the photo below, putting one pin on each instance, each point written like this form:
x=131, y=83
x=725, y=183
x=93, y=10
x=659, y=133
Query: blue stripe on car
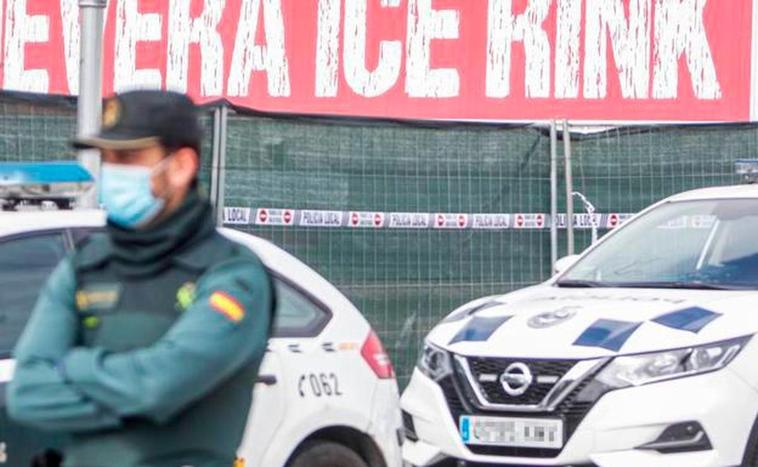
x=689, y=319
x=608, y=334
x=479, y=329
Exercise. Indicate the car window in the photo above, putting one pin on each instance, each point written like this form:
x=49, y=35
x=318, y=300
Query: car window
x=699, y=243
x=297, y=315
x=25, y=264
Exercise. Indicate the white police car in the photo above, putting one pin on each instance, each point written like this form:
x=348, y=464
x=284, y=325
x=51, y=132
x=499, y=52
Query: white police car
x=326, y=395
x=642, y=353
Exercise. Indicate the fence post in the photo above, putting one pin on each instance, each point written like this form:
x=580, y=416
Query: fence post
x=218, y=164
x=213, y=195
x=89, y=105
x=553, y=196
x=569, y=188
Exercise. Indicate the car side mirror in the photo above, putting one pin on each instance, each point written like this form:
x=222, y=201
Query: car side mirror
x=564, y=263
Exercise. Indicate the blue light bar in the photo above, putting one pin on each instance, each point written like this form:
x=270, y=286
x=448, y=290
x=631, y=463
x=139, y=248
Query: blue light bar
x=42, y=173
x=26, y=185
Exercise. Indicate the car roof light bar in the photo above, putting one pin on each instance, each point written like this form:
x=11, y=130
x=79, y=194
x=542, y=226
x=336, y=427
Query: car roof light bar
x=748, y=168
x=42, y=184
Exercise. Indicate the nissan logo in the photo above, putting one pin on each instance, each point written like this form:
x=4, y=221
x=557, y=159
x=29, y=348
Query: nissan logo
x=516, y=379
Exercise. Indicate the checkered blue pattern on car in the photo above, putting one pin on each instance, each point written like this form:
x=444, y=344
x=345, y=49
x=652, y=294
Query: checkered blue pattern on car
x=689, y=319
x=605, y=333
x=479, y=328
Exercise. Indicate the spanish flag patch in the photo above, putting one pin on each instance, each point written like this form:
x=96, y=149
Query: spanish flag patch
x=227, y=306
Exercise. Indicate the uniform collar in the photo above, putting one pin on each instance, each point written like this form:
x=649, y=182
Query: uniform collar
x=150, y=251
x=194, y=258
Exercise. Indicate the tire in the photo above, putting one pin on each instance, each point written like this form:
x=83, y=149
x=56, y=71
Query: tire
x=326, y=454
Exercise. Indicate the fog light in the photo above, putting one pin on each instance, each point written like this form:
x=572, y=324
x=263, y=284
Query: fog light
x=681, y=437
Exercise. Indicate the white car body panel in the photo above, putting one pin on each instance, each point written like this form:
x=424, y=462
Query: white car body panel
x=282, y=417
x=517, y=339
x=724, y=402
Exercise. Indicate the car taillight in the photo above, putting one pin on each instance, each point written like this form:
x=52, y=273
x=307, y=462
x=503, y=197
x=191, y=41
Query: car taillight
x=374, y=354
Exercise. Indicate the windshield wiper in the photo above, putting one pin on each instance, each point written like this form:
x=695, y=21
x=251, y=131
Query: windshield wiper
x=694, y=285
x=571, y=283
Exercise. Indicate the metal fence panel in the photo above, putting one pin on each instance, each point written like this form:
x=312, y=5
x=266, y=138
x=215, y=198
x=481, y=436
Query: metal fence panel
x=404, y=281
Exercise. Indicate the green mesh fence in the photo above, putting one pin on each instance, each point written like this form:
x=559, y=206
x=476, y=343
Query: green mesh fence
x=625, y=170
x=404, y=281
x=41, y=130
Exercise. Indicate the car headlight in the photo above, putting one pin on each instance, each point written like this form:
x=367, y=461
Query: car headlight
x=435, y=362
x=636, y=370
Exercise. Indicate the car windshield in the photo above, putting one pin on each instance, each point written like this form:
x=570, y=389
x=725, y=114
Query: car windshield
x=706, y=244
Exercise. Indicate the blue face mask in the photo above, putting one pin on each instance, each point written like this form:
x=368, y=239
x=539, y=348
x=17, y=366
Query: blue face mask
x=126, y=194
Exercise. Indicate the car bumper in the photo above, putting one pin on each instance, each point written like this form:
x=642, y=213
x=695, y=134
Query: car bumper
x=611, y=432
x=386, y=425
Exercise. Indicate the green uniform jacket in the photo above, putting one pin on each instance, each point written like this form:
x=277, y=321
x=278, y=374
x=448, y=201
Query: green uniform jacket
x=147, y=366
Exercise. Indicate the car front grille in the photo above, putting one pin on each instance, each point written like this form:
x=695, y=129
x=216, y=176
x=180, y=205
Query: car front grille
x=460, y=401
x=493, y=390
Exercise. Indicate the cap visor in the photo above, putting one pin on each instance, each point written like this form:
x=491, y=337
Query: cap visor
x=116, y=144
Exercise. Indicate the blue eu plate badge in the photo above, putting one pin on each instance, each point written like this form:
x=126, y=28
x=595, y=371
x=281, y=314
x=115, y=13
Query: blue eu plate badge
x=465, y=427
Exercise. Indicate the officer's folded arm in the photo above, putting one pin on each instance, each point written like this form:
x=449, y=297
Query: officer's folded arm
x=223, y=330
x=38, y=395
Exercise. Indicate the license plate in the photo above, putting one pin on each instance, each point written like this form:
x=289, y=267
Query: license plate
x=507, y=431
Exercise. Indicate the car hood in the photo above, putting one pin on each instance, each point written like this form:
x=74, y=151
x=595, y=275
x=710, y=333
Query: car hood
x=551, y=322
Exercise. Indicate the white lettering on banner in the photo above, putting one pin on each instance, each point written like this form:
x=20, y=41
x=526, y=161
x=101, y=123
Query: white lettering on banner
x=248, y=56
x=309, y=218
x=424, y=25
x=409, y=220
x=503, y=29
x=21, y=29
x=491, y=221
x=680, y=29
x=362, y=81
x=327, y=48
x=71, y=43
x=590, y=52
x=182, y=32
x=630, y=42
x=567, y=58
x=133, y=27
x=366, y=219
x=239, y=216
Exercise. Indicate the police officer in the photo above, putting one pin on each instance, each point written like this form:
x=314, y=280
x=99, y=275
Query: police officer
x=144, y=344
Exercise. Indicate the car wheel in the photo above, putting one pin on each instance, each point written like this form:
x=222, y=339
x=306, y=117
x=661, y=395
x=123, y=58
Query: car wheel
x=326, y=454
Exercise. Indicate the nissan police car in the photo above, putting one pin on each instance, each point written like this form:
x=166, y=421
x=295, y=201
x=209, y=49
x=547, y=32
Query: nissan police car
x=641, y=353
x=326, y=395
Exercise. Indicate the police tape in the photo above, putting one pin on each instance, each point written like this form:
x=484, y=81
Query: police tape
x=414, y=220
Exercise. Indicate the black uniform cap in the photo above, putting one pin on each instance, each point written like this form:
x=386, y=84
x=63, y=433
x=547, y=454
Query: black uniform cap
x=143, y=118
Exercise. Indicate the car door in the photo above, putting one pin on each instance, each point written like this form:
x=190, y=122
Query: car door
x=298, y=318
x=25, y=263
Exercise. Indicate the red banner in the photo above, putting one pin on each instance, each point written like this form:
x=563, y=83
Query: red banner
x=503, y=60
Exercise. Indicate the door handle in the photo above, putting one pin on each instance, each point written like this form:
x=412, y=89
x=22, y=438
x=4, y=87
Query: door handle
x=268, y=380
